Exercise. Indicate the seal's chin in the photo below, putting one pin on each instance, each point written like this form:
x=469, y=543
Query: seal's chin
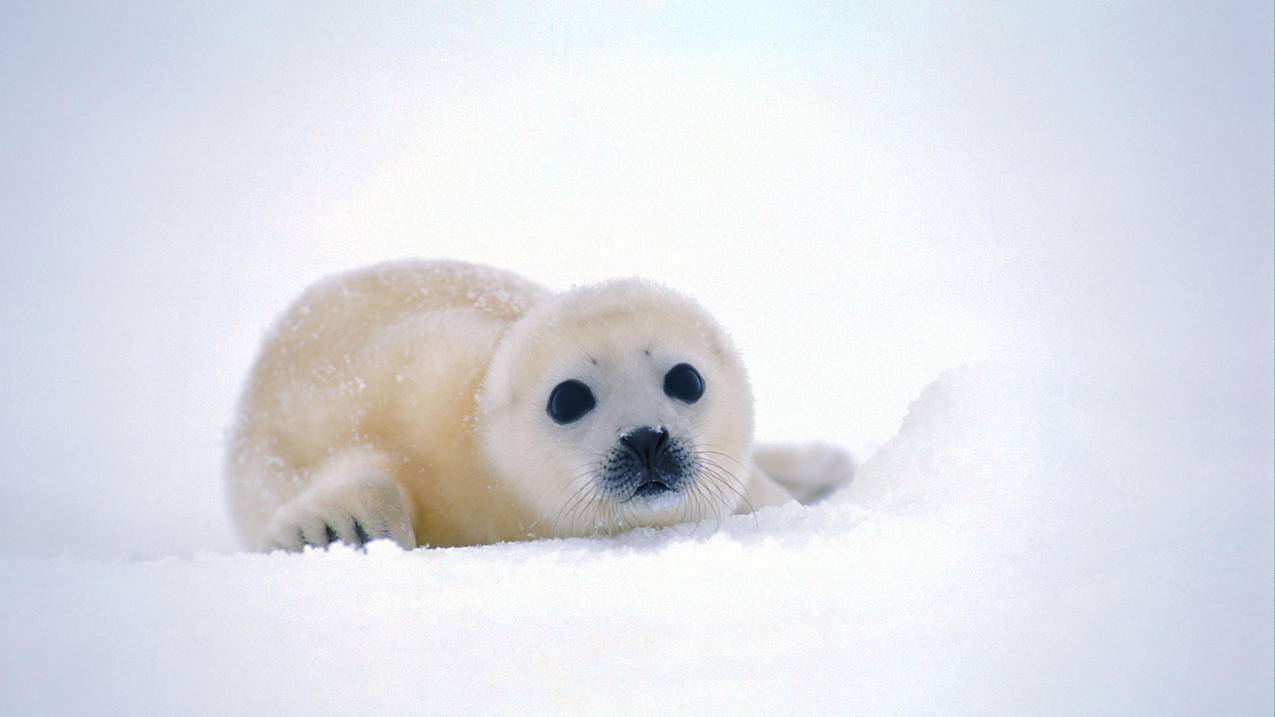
x=655, y=497
x=651, y=489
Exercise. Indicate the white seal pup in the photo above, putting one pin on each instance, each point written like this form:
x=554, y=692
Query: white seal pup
x=441, y=403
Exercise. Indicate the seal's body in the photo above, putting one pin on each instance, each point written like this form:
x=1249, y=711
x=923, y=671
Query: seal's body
x=442, y=403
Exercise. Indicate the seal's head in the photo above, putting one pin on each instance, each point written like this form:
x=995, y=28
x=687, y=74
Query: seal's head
x=618, y=405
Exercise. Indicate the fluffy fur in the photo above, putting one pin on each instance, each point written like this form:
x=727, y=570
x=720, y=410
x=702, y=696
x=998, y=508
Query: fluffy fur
x=408, y=401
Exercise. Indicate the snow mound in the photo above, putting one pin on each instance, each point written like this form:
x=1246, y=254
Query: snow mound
x=982, y=561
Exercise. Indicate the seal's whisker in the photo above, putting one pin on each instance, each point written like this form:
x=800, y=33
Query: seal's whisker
x=595, y=512
x=693, y=499
x=620, y=520
x=570, y=501
x=721, y=507
x=689, y=504
x=719, y=502
x=708, y=499
x=712, y=450
x=693, y=507
x=729, y=481
x=727, y=473
x=558, y=514
x=577, y=499
x=585, y=470
x=733, y=483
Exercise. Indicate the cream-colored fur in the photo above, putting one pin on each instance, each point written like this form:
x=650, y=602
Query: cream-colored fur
x=408, y=401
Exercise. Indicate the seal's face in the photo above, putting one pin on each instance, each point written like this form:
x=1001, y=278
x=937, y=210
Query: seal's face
x=645, y=464
x=615, y=406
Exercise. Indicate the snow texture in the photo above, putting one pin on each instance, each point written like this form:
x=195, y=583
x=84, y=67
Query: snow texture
x=1046, y=227
x=978, y=568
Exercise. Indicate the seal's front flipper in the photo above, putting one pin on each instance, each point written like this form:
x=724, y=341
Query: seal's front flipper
x=354, y=502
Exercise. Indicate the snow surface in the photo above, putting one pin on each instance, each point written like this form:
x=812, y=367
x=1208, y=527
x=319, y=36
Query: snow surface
x=1073, y=202
x=980, y=567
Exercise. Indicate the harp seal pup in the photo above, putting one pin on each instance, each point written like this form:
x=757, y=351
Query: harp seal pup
x=442, y=403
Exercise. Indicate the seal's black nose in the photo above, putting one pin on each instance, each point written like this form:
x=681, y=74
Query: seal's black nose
x=648, y=442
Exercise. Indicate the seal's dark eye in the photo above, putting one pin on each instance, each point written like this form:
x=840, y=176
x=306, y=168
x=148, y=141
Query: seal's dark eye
x=569, y=401
x=684, y=383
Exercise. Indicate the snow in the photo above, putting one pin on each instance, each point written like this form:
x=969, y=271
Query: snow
x=974, y=568
x=1047, y=229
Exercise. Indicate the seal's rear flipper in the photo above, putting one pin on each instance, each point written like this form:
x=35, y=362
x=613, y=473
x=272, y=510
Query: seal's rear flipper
x=809, y=471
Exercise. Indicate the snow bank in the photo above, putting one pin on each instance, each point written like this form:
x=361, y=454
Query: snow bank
x=981, y=562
